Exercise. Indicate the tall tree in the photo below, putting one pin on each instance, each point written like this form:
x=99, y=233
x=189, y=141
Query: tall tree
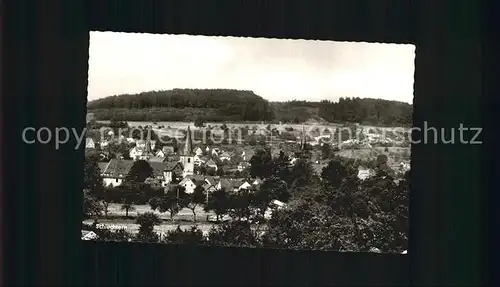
x=261, y=164
x=146, y=222
x=139, y=172
x=173, y=201
x=218, y=202
x=196, y=199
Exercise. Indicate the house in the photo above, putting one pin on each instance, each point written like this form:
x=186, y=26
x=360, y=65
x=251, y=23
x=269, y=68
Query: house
x=199, y=160
x=215, y=152
x=170, y=171
x=140, y=144
x=152, y=144
x=104, y=144
x=190, y=182
x=136, y=152
x=160, y=153
x=225, y=156
x=243, y=166
x=130, y=140
x=207, y=150
x=364, y=173
x=115, y=171
x=167, y=150
x=247, y=155
x=211, y=164
x=198, y=152
x=244, y=185
x=89, y=235
x=230, y=184
x=89, y=143
x=210, y=185
x=257, y=182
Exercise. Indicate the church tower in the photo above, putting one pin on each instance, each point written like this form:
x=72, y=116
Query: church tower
x=303, y=139
x=187, y=156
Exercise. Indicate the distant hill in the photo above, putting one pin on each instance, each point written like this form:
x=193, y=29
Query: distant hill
x=217, y=105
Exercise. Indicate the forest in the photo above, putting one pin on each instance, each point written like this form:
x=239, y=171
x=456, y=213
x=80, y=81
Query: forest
x=224, y=105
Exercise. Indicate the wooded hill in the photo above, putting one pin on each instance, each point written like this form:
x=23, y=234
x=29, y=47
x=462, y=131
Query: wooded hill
x=217, y=105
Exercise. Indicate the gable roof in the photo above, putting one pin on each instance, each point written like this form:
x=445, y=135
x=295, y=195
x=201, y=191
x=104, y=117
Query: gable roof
x=102, y=166
x=210, y=162
x=117, y=168
x=225, y=154
x=171, y=165
x=157, y=159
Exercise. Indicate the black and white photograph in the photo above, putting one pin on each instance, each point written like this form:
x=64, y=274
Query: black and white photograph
x=248, y=142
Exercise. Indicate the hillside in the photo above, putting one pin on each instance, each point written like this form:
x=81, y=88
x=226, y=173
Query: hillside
x=233, y=105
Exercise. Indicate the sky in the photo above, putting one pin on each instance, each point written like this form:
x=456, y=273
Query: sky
x=275, y=69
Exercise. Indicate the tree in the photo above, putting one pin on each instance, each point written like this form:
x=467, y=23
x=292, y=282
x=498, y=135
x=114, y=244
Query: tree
x=172, y=201
x=91, y=205
x=92, y=180
x=235, y=233
x=192, y=236
x=219, y=171
x=281, y=166
x=334, y=173
x=195, y=199
x=239, y=205
x=326, y=151
x=218, y=202
x=146, y=222
x=261, y=164
x=127, y=206
x=211, y=171
x=198, y=122
x=139, y=172
x=302, y=173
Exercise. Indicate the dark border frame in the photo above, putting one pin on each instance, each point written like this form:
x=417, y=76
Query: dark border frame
x=45, y=61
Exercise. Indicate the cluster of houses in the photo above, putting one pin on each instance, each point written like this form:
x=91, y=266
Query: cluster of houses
x=179, y=167
x=169, y=167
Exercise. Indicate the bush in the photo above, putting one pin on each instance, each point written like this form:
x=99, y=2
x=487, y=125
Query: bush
x=193, y=236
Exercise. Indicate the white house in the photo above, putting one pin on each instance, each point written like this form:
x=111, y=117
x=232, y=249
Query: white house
x=192, y=181
x=245, y=185
x=243, y=165
x=198, y=160
x=104, y=144
x=89, y=143
x=115, y=171
x=225, y=156
x=247, y=155
x=364, y=173
x=160, y=153
x=136, y=152
x=211, y=164
x=171, y=169
x=198, y=152
x=140, y=144
x=215, y=152
x=130, y=140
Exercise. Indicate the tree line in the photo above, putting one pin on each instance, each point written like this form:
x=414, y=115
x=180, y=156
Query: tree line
x=172, y=104
x=331, y=211
x=216, y=105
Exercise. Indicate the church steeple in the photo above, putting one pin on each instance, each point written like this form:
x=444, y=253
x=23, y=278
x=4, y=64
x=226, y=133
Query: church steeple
x=188, y=147
x=303, y=139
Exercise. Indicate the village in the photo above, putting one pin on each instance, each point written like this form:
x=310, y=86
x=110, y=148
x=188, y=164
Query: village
x=221, y=165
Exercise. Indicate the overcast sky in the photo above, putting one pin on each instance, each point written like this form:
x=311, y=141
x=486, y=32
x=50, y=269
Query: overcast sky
x=276, y=69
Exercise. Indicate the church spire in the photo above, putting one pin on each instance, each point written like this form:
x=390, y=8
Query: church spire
x=303, y=139
x=188, y=147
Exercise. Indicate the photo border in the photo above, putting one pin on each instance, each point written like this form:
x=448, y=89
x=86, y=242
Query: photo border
x=45, y=85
